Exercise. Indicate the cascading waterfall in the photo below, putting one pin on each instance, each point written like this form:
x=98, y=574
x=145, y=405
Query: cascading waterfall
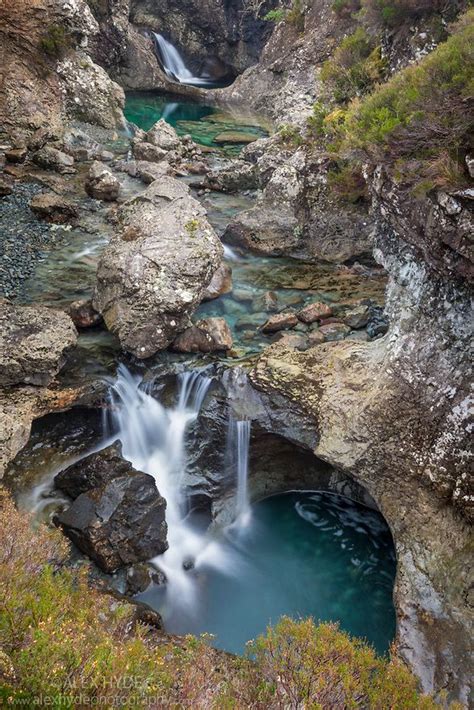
x=153, y=440
x=173, y=63
x=239, y=434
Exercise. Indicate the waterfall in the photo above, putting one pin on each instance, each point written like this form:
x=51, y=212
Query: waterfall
x=240, y=443
x=173, y=63
x=153, y=440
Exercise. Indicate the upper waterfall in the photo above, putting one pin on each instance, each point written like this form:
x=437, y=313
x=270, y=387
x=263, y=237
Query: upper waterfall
x=173, y=63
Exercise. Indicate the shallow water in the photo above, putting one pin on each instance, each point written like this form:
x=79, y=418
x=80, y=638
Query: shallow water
x=203, y=123
x=301, y=554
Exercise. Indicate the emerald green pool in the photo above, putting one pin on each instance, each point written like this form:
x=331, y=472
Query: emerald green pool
x=203, y=123
x=302, y=554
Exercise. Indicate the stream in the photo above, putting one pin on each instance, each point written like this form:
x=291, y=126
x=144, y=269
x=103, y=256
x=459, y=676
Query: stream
x=298, y=553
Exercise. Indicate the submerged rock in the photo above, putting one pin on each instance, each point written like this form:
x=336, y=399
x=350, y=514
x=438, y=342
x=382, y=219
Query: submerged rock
x=148, y=286
x=280, y=321
x=220, y=284
x=101, y=184
x=207, y=336
x=33, y=341
x=118, y=515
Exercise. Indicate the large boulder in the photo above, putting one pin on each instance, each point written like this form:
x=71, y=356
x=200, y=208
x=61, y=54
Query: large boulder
x=152, y=276
x=33, y=341
x=101, y=184
x=297, y=214
x=118, y=515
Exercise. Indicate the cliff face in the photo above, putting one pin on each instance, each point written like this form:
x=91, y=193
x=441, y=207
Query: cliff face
x=394, y=414
x=47, y=74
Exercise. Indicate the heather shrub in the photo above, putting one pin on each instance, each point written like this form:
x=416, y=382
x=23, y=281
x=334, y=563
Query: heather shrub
x=355, y=67
x=393, y=13
x=421, y=118
x=55, y=42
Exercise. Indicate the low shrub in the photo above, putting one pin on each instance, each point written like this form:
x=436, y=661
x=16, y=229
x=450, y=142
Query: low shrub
x=345, y=8
x=277, y=15
x=422, y=114
x=394, y=13
x=55, y=42
x=354, y=68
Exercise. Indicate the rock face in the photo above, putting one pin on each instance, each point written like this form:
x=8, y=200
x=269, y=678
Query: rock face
x=296, y=215
x=33, y=340
x=101, y=184
x=393, y=414
x=118, y=516
x=153, y=274
x=49, y=80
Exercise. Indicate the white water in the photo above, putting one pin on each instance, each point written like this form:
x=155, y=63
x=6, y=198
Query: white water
x=240, y=442
x=153, y=440
x=173, y=63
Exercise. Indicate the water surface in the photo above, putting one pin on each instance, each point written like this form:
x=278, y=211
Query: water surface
x=302, y=554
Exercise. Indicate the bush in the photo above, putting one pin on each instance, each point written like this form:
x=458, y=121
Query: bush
x=296, y=15
x=55, y=42
x=355, y=67
x=345, y=8
x=394, y=13
x=421, y=113
x=277, y=15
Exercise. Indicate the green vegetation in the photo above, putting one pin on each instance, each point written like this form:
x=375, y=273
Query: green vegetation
x=294, y=15
x=291, y=135
x=78, y=646
x=55, y=42
x=345, y=8
x=393, y=13
x=355, y=67
x=277, y=15
x=421, y=116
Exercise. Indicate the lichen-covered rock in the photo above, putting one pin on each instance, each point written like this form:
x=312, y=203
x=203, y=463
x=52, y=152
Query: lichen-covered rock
x=145, y=151
x=296, y=215
x=33, y=340
x=208, y=335
x=232, y=177
x=148, y=286
x=101, y=183
x=43, y=88
x=118, y=516
x=162, y=135
x=394, y=415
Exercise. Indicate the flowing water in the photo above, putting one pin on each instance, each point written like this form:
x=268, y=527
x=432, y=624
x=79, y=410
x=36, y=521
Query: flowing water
x=174, y=64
